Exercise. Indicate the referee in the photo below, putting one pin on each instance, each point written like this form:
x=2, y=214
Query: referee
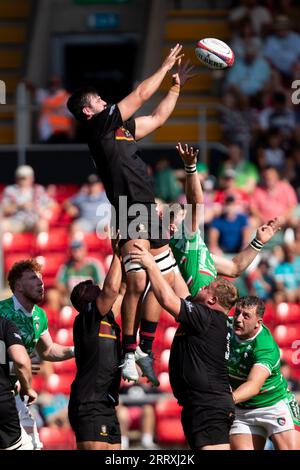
x=199, y=354
x=94, y=392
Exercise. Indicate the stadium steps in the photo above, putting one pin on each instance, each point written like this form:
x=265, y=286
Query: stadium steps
x=187, y=26
x=14, y=26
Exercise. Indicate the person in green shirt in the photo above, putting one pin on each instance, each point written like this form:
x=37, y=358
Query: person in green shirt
x=26, y=284
x=264, y=406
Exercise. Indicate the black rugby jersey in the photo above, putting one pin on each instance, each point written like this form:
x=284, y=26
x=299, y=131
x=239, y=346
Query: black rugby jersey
x=97, y=355
x=9, y=335
x=117, y=157
x=199, y=355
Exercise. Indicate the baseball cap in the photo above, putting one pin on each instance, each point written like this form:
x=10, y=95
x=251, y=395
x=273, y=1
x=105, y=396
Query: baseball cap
x=93, y=178
x=76, y=244
x=24, y=171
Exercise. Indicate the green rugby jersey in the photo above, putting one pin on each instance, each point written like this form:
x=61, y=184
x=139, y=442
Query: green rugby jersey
x=193, y=258
x=31, y=326
x=261, y=349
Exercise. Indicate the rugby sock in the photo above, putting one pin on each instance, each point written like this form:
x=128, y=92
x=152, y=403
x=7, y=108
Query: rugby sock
x=129, y=343
x=147, y=335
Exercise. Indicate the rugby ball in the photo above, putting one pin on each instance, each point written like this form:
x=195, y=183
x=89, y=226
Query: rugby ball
x=214, y=53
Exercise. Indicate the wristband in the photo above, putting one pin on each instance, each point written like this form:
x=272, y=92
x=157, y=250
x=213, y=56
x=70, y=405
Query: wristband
x=190, y=169
x=175, y=88
x=256, y=244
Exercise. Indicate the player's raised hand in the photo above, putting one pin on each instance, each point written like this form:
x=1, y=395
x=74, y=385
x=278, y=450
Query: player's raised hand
x=183, y=73
x=142, y=256
x=187, y=154
x=266, y=231
x=174, y=56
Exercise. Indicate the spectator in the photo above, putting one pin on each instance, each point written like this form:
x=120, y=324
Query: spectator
x=89, y=207
x=26, y=206
x=245, y=37
x=272, y=154
x=229, y=232
x=229, y=188
x=273, y=198
x=246, y=174
x=137, y=413
x=78, y=268
x=259, y=15
x=287, y=276
x=55, y=123
x=282, y=48
x=166, y=186
x=278, y=116
x=250, y=74
x=261, y=283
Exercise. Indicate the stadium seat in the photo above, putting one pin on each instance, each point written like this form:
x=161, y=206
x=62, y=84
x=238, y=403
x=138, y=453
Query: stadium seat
x=164, y=360
x=164, y=381
x=168, y=423
x=64, y=336
x=59, y=383
x=62, y=367
x=287, y=313
x=291, y=355
x=66, y=317
x=285, y=335
x=57, y=239
x=96, y=244
x=57, y=438
x=168, y=337
x=51, y=263
x=61, y=192
x=11, y=258
x=18, y=243
x=38, y=383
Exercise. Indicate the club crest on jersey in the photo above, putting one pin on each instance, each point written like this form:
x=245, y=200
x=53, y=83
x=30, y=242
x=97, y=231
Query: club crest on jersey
x=123, y=134
x=281, y=421
x=103, y=431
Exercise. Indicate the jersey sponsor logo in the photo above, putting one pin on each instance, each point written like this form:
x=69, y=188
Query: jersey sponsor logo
x=103, y=431
x=123, y=134
x=189, y=305
x=281, y=421
x=16, y=335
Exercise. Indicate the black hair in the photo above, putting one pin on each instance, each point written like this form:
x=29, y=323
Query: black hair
x=252, y=301
x=77, y=294
x=79, y=99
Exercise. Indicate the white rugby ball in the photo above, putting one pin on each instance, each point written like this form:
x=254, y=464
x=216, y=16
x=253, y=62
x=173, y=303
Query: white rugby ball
x=214, y=53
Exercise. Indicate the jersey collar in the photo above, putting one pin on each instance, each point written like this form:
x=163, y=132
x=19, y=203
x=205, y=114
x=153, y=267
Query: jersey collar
x=19, y=306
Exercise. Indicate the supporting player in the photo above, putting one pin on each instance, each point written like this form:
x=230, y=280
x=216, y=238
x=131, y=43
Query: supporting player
x=26, y=284
x=264, y=407
x=94, y=392
x=111, y=135
x=198, y=359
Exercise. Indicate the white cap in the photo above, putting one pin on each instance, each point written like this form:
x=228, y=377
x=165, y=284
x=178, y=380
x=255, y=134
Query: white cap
x=24, y=171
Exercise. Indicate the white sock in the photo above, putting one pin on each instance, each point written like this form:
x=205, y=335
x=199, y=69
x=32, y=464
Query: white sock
x=147, y=440
x=124, y=442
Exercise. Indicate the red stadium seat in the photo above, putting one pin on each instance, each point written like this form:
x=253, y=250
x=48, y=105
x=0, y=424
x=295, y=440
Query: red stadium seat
x=57, y=239
x=66, y=317
x=64, y=336
x=164, y=360
x=285, y=335
x=168, y=337
x=61, y=192
x=291, y=355
x=59, y=383
x=57, y=438
x=168, y=423
x=19, y=243
x=287, y=313
x=96, y=244
x=164, y=381
x=10, y=259
x=62, y=367
x=38, y=383
x=166, y=319
x=51, y=263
